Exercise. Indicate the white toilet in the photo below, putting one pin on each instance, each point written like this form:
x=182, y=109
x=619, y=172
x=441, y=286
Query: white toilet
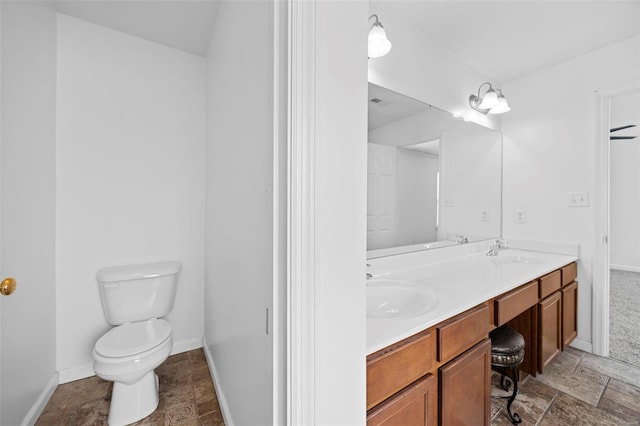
x=134, y=299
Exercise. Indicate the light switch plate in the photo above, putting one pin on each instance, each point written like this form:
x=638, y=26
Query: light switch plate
x=577, y=199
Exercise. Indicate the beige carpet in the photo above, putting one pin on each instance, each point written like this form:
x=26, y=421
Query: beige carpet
x=624, y=316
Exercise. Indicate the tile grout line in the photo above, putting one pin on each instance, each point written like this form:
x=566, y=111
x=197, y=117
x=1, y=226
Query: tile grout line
x=604, y=388
x=548, y=407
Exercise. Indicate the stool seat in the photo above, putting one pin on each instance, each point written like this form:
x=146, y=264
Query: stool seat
x=507, y=353
x=507, y=347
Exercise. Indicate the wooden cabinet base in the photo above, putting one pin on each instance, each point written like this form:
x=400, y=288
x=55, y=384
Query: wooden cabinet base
x=413, y=406
x=550, y=329
x=465, y=388
x=569, y=314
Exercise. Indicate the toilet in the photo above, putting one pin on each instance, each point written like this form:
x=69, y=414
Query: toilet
x=135, y=298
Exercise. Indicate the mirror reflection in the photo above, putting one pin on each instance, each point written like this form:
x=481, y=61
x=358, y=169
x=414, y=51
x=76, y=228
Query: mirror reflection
x=433, y=180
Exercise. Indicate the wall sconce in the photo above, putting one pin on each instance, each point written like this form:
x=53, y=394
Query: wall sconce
x=491, y=102
x=379, y=44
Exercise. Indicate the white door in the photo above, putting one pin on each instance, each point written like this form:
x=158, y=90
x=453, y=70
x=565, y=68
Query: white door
x=27, y=213
x=381, y=196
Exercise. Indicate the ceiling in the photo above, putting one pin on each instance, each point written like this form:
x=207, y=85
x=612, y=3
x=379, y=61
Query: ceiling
x=504, y=39
x=183, y=24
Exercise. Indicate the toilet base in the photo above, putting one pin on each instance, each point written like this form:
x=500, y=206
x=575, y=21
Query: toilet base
x=130, y=403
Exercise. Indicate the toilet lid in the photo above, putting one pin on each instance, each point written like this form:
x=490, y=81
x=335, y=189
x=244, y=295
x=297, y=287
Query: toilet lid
x=133, y=338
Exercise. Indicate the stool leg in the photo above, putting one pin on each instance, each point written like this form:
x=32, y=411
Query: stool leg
x=514, y=417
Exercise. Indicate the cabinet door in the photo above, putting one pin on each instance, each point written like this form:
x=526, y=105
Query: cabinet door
x=569, y=314
x=413, y=406
x=465, y=393
x=550, y=329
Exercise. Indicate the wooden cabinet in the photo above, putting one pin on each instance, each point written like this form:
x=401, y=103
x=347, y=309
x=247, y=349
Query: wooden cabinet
x=462, y=332
x=569, y=313
x=549, y=330
x=550, y=283
x=393, y=368
x=442, y=375
x=415, y=405
x=465, y=388
x=515, y=302
x=402, y=378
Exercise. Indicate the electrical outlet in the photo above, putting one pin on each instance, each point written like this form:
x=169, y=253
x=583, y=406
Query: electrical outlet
x=577, y=199
x=521, y=216
x=449, y=202
x=484, y=215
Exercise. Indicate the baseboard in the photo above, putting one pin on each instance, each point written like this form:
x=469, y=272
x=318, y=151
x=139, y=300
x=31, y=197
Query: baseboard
x=625, y=268
x=84, y=371
x=186, y=345
x=224, y=406
x=583, y=345
x=76, y=373
x=44, y=397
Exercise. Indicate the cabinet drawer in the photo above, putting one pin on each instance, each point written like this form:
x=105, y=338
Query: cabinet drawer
x=462, y=332
x=549, y=284
x=569, y=273
x=392, y=370
x=414, y=406
x=515, y=302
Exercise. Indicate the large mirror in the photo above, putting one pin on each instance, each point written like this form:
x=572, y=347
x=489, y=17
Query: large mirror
x=434, y=180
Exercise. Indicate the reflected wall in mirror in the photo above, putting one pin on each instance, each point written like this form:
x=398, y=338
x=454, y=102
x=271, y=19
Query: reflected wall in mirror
x=433, y=180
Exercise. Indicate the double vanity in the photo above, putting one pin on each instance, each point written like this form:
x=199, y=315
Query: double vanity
x=429, y=315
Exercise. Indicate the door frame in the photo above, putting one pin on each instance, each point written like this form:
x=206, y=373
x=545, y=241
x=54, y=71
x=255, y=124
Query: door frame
x=602, y=263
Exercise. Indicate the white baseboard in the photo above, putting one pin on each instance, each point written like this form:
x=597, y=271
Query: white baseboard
x=186, y=345
x=76, y=373
x=583, y=345
x=44, y=397
x=625, y=268
x=224, y=406
x=82, y=372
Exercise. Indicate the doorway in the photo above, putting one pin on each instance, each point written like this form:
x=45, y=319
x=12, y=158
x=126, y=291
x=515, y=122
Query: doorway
x=608, y=174
x=624, y=228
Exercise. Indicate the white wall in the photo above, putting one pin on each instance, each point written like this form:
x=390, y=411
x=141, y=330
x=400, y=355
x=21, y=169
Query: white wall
x=420, y=68
x=340, y=213
x=624, y=241
x=239, y=210
x=549, y=148
x=130, y=177
x=28, y=321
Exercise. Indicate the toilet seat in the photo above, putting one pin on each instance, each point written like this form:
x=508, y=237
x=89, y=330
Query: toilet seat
x=133, y=338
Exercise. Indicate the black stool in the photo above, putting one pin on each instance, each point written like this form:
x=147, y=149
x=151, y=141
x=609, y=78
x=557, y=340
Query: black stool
x=507, y=353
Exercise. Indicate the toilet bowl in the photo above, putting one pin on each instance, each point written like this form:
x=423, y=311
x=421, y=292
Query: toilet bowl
x=134, y=299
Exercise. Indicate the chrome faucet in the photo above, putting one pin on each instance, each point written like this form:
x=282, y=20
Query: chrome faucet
x=461, y=239
x=495, y=248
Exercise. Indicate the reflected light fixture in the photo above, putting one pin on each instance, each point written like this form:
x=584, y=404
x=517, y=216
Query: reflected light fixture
x=379, y=44
x=491, y=102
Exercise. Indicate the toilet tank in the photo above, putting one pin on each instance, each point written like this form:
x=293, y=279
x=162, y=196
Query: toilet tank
x=138, y=292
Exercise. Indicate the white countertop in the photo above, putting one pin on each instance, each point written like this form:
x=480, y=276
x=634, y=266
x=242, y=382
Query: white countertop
x=460, y=283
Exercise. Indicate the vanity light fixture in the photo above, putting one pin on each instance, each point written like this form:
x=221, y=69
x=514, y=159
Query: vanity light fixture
x=491, y=102
x=379, y=44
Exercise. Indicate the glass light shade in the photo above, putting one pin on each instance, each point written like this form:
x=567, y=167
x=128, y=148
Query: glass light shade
x=379, y=45
x=489, y=100
x=501, y=107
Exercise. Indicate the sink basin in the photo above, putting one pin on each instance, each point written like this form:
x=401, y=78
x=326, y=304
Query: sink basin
x=398, y=299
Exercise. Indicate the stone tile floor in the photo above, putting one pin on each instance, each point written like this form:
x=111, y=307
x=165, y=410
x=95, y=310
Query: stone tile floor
x=187, y=397
x=576, y=389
